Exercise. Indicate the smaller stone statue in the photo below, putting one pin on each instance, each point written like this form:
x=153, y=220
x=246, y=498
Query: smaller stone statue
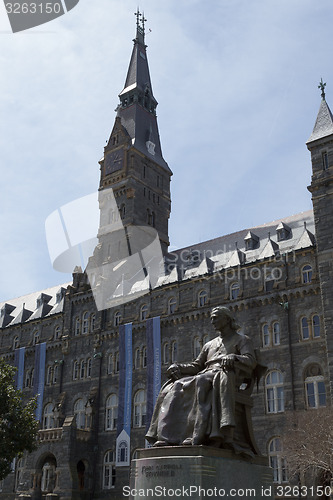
x=197, y=405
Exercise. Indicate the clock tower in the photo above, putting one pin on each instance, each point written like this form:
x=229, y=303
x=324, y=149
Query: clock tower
x=133, y=164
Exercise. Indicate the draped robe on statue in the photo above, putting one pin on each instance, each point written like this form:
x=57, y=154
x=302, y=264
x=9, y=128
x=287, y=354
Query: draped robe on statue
x=201, y=405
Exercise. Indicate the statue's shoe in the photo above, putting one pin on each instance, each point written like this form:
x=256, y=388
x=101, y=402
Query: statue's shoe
x=161, y=443
x=187, y=442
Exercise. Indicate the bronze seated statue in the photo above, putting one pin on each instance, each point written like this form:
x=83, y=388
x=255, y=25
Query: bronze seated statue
x=207, y=402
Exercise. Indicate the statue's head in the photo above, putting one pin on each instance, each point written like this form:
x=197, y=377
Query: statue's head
x=220, y=312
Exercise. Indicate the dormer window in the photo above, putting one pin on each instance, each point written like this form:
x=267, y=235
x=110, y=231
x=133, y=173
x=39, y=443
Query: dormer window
x=283, y=232
x=251, y=241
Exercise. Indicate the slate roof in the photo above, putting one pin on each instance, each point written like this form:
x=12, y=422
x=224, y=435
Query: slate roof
x=182, y=264
x=324, y=123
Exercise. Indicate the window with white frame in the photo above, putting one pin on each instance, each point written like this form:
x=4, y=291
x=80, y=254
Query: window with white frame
x=92, y=322
x=315, y=387
x=265, y=336
x=85, y=323
x=76, y=367
x=172, y=303
x=196, y=347
x=234, y=291
x=277, y=461
x=20, y=465
x=122, y=452
x=89, y=367
x=307, y=274
x=80, y=414
x=48, y=416
x=35, y=337
x=82, y=368
x=110, y=367
x=109, y=470
x=310, y=328
x=166, y=357
x=48, y=475
x=57, y=332
x=202, y=298
x=15, y=342
x=111, y=412
x=274, y=392
x=77, y=326
x=55, y=373
x=117, y=318
x=276, y=333
x=49, y=373
x=140, y=408
x=144, y=357
x=143, y=312
x=137, y=358
x=174, y=351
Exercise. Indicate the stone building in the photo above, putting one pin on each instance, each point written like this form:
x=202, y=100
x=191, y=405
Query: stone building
x=276, y=279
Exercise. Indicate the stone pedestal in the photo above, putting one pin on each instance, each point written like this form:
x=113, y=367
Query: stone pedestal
x=198, y=472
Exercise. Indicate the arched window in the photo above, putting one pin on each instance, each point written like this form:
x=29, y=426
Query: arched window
x=109, y=470
x=82, y=369
x=307, y=274
x=144, y=357
x=172, y=302
x=196, y=347
x=57, y=332
x=116, y=364
x=276, y=333
x=80, y=414
x=48, y=417
x=315, y=326
x=35, y=337
x=55, y=373
x=85, y=323
x=77, y=326
x=15, y=342
x=274, y=392
x=117, y=318
x=48, y=481
x=265, y=336
x=76, y=370
x=166, y=358
x=276, y=461
x=122, y=452
x=234, y=291
x=89, y=367
x=305, y=329
x=315, y=387
x=110, y=367
x=92, y=322
x=19, y=474
x=139, y=408
x=137, y=358
x=174, y=352
x=202, y=298
x=111, y=412
x=143, y=312
x=49, y=372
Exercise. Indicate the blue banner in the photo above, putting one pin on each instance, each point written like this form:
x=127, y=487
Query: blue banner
x=19, y=364
x=39, y=378
x=125, y=395
x=153, y=333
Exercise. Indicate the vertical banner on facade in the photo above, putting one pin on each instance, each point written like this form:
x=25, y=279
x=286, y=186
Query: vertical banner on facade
x=39, y=377
x=153, y=332
x=19, y=364
x=125, y=396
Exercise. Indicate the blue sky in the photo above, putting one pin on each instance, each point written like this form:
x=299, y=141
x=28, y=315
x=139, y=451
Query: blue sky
x=236, y=84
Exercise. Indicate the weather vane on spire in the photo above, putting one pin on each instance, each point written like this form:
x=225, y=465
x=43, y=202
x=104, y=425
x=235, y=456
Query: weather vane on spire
x=140, y=22
x=322, y=86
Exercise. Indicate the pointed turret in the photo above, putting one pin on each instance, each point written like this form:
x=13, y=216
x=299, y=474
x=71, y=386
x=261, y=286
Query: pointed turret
x=324, y=122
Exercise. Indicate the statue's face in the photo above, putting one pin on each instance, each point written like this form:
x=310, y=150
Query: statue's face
x=219, y=320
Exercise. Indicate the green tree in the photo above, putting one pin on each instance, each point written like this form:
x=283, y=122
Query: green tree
x=18, y=426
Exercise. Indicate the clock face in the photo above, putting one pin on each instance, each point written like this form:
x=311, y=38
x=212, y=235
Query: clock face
x=114, y=161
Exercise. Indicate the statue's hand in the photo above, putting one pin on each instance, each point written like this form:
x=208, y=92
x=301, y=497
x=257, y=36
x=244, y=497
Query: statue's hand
x=228, y=362
x=174, y=372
